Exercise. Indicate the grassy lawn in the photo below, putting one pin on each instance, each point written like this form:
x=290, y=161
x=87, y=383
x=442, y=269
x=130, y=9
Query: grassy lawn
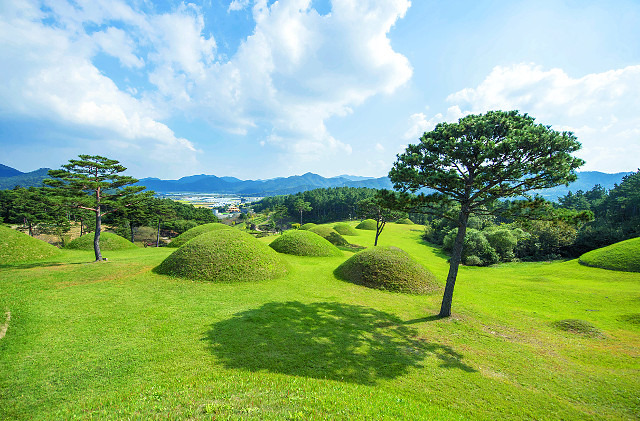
x=114, y=340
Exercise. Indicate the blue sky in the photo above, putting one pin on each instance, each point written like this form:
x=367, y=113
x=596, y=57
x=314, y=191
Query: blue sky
x=261, y=89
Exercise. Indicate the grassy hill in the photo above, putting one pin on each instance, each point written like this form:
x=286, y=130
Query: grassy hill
x=624, y=256
x=16, y=247
x=118, y=341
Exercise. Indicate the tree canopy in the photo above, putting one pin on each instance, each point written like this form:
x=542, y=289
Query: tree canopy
x=467, y=166
x=94, y=183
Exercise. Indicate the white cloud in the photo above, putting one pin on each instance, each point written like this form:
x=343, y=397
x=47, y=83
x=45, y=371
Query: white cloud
x=600, y=108
x=53, y=79
x=117, y=43
x=419, y=124
x=236, y=5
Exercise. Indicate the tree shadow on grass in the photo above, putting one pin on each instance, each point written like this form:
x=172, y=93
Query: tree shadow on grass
x=325, y=340
x=32, y=265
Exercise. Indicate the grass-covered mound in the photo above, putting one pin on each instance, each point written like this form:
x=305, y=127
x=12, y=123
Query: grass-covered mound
x=194, y=232
x=624, y=256
x=405, y=221
x=387, y=268
x=579, y=327
x=304, y=243
x=225, y=255
x=330, y=235
x=308, y=226
x=17, y=247
x=345, y=229
x=108, y=242
x=367, y=224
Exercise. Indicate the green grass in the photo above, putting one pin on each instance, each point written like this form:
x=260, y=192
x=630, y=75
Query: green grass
x=343, y=228
x=367, y=224
x=308, y=226
x=108, y=242
x=17, y=247
x=624, y=256
x=194, y=232
x=330, y=235
x=387, y=268
x=224, y=255
x=115, y=340
x=304, y=243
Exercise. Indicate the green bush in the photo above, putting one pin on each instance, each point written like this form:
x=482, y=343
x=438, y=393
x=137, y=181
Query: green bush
x=196, y=231
x=304, y=243
x=343, y=228
x=295, y=226
x=623, y=256
x=475, y=244
x=330, y=235
x=367, y=224
x=503, y=241
x=387, y=268
x=108, y=242
x=17, y=247
x=224, y=255
x=405, y=221
x=308, y=226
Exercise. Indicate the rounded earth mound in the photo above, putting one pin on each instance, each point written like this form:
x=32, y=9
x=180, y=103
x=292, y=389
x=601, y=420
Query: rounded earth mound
x=345, y=229
x=108, y=242
x=194, y=232
x=308, y=226
x=367, y=224
x=304, y=243
x=330, y=235
x=621, y=256
x=387, y=268
x=405, y=221
x=224, y=255
x=17, y=247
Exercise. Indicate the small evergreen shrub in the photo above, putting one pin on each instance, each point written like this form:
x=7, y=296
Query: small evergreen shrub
x=475, y=244
x=330, y=235
x=623, y=256
x=579, y=327
x=304, y=243
x=367, y=224
x=405, y=221
x=196, y=231
x=224, y=255
x=17, y=247
x=308, y=226
x=108, y=242
x=345, y=229
x=387, y=268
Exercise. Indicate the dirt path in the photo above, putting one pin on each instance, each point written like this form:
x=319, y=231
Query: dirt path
x=5, y=326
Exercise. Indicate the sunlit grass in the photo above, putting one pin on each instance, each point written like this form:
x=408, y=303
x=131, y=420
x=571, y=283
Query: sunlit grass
x=115, y=340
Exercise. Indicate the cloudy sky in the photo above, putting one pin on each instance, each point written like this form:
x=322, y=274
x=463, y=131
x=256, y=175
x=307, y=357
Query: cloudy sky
x=262, y=89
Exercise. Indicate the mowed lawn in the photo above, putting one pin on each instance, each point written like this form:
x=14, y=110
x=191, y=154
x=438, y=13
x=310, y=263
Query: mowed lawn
x=114, y=340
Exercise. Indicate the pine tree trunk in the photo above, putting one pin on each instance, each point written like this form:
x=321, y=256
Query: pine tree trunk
x=454, y=263
x=158, y=235
x=131, y=230
x=96, y=237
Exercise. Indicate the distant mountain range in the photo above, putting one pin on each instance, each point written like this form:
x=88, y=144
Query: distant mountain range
x=10, y=177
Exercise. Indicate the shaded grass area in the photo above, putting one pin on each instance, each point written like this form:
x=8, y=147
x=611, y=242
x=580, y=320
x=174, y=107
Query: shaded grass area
x=114, y=340
x=623, y=256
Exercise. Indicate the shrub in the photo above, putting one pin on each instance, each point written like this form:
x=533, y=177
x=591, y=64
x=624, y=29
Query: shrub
x=108, y=242
x=330, y=235
x=475, y=244
x=503, y=242
x=345, y=229
x=196, y=231
x=224, y=255
x=405, y=221
x=295, y=226
x=17, y=247
x=304, y=243
x=308, y=226
x=579, y=327
x=387, y=268
x=623, y=256
x=367, y=224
